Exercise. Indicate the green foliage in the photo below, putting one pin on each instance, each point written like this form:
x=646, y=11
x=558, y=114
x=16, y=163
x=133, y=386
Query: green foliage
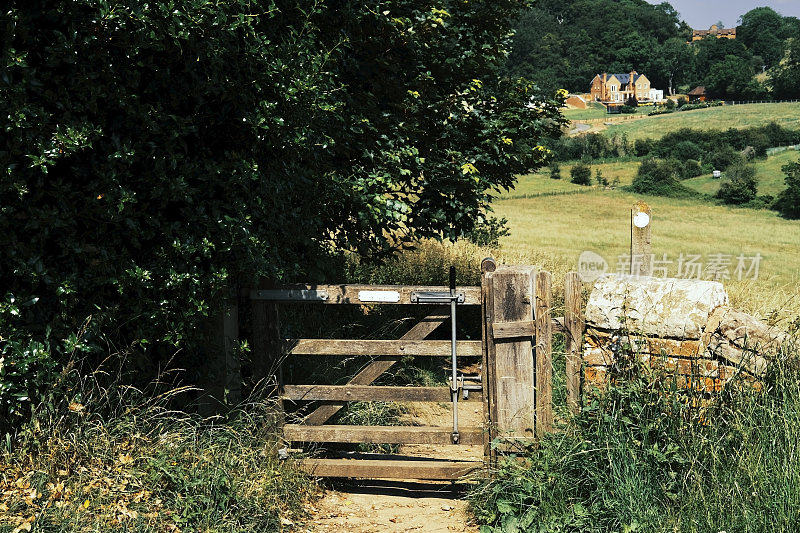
x=788, y=202
x=155, y=154
x=555, y=170
x=670, y=104
x=740, y=185
x=488, y=232
x=732, y=79
x=600, y=179
x=764, y=31
x=642, y=441
x=660, y=178
x=785, y=77
x=564, y=44
x=581, y=174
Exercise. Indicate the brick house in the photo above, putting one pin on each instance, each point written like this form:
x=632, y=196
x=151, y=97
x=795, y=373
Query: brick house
x=618, y=88
x=716, y=31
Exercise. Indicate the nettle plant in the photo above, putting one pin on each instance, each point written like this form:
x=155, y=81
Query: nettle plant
x=153, y=153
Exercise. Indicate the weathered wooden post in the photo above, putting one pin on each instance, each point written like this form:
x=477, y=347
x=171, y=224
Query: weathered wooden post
x=640, y=239
x=230, y=339
x=573, y=324
x=543, y=354
x=510, y=366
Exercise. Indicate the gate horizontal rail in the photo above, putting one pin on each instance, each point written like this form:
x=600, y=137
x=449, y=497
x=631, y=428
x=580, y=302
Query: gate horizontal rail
x=357, y=294
x=373, y=393
x=397, y=348
x=382, y=434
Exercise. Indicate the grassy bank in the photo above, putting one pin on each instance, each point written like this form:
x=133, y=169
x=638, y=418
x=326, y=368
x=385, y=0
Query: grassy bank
x=121, y=461
x=715, y=118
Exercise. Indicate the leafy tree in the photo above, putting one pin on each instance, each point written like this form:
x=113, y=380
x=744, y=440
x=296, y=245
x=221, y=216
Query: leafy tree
x=788, y=201
x=731, y=78
x=600, y=179
x=156, y=153
x=581, y=174
x=785, y=77
x=741, y=185
x=762, y=31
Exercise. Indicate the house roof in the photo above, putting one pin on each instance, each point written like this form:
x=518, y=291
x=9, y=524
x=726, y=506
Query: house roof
x=624, y=78
x=697, y=91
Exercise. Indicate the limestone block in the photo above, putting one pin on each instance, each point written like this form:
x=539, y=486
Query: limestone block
x=741, y=340
x=657, y=307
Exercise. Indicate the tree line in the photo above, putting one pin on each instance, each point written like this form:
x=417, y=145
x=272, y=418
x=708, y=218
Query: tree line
x=564, y=43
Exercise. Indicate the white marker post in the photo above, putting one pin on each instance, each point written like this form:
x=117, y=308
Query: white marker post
x=640, y=239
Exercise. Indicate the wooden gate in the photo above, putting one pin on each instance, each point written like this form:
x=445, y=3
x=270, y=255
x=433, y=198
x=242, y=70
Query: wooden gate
x=513, y=387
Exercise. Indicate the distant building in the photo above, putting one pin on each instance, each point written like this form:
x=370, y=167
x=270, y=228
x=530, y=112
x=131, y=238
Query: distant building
x=716, y=31
x=616, y=89
x=698, y=94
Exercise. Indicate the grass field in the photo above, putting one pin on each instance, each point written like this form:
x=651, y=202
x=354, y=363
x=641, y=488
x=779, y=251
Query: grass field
x=554, y=230
x=770, y=177
x=719, y=118
x=540, y=183
x=594, y=110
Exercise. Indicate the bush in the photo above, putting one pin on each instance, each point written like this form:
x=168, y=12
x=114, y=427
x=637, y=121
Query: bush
x=555, y=171
x=581, y=174
x=724, y=157
x=788, y=201
x=660, y=178
x=600, y=179
x=740, y=186
x=628, y=109
x=686, y=150
x=691, y=169
x=643, y=147
x=670, y=104
x=682, y=101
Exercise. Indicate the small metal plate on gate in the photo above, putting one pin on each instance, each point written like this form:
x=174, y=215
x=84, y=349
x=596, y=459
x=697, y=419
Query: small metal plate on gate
x=297, y=295
x=432, y=297
x=379, y=296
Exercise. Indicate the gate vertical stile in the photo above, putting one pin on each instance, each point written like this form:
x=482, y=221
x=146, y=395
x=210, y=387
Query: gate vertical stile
x=488, y=266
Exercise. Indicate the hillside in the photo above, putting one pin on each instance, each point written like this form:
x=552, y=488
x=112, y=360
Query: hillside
x=770, y=177
x=715, y=118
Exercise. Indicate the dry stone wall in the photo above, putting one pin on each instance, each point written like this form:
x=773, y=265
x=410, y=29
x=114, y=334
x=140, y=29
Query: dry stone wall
x=684, y=328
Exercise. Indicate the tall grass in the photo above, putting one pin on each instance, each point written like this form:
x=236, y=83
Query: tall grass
x=642, y=457
x=117, y=459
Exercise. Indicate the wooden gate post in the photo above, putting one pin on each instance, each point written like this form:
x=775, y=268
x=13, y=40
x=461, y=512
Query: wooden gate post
x=510, y=367
x=543, y=354
x=573, y=323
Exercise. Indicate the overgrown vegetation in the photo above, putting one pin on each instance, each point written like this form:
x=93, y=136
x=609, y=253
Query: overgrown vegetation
x=120, y=459
x=660, y=178
x=788, y=202
x=740, y=185
x=644, y=457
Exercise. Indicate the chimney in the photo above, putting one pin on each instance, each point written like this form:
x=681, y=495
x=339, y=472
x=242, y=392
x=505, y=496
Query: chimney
x=603, y=95
x=633, y=85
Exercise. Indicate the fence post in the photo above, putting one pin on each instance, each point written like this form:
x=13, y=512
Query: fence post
x=488, y=266
x=230, y=335
x=640, y=239
x=510, y=363
x=573, y=323
x=543, y=354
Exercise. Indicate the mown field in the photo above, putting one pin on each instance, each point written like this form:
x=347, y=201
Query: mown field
x=715, y=118
x=593, y=111
x=770, y=177
x=553, y=221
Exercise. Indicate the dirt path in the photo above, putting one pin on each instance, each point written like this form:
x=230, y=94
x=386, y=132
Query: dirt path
x=397, y=506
